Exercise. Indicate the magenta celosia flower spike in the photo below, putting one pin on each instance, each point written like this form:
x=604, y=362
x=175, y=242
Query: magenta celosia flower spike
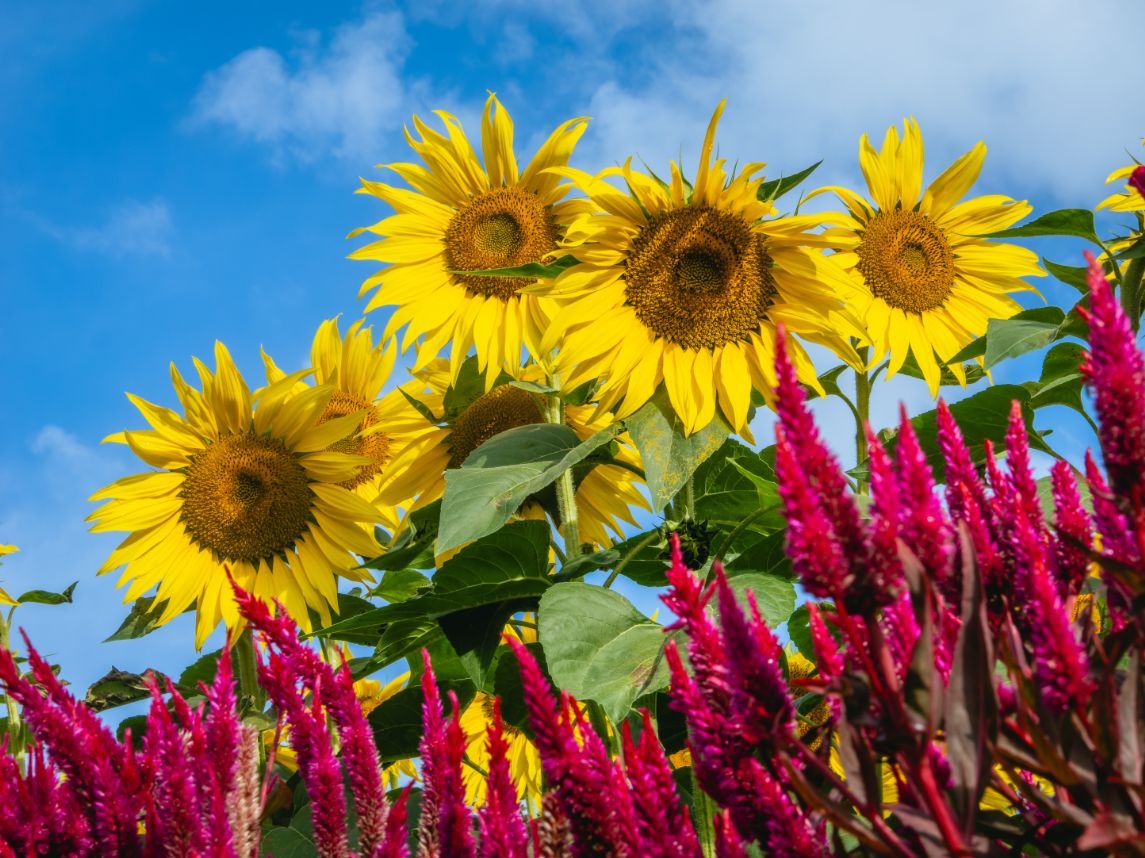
x=1115, y=371
x=503, y=831
x=445, y=825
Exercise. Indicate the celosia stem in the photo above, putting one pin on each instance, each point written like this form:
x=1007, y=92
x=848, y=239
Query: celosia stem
x=1131, y=291
x=249, y=688
x=15, y=743
x=566, y=490
x=862, y=413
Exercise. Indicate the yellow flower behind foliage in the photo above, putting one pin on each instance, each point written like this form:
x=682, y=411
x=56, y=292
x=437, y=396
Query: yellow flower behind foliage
x=463, y=215
x=604, y=496
x=357, y=370
x=929, y=283
x=242, y=483
x=371, y=694
x=523, y=757
x=1129, y=200
x=5, y=599
x=684, y=284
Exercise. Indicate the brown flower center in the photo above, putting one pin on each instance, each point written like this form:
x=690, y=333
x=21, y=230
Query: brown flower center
x=375, y=446
x=906, y=260
x=502, y=408
x=246, y=497
x=501, y=228
x=700, y=277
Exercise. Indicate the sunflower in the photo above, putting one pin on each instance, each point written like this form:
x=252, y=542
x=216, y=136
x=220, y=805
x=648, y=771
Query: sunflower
x=685, y=284
x=1129, y=200
x=930, y=283
x=5, y=599
x=460, y=217
x=604, y=496
x=357, y=370
x=245, y=483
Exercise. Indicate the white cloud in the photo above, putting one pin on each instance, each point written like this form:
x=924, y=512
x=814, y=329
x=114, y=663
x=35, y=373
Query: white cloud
x=1031, y=77
x=340, y=99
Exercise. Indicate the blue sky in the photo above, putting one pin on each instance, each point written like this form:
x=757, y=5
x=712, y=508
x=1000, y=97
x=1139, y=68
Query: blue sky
x=170, y=177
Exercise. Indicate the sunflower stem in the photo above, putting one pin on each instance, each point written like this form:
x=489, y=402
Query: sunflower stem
x=566, y=490
x=249, y=688
x=862, y=415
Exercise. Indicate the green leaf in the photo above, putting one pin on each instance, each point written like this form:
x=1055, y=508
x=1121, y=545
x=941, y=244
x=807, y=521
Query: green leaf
x=509, y=565
x=1071, y=275
x=1024, y=332
x=1062, y=364
x=141, y=620
x=580, y=566
x=412, y=548
x=507, y=685
x=669, y=457
x=736, y=483
x=400, y=584
x=284, y=842
x=830, y=382
x=774, y=596
x=947, y=378
x=398, y=640
x=43, y=597
x=465, y=389
x=203, y=669
x=1076, y=222
x=599, y=647
x=648, y=564
x=773, y=189
x=420, y=407
x=116, y=688
x=533, y=270
x=799, y=630
x=498, y=476
x=765, y=554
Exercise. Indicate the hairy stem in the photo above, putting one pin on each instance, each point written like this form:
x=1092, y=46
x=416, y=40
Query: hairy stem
x=566, y=490
x=862, y=416
x=249, y=688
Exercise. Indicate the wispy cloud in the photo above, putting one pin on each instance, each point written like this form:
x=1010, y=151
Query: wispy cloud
x=132, y=228
x=338, y=98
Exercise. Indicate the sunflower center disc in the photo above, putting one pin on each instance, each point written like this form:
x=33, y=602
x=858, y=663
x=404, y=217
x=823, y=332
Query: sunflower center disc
x=246, y=497
x=373, y=445
x=700, y=277
x=905, y=259
x=501, y=228
x=502, y=408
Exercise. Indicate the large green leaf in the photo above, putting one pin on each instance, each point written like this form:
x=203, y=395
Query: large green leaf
x=599, y=647
x=510, y=565
x=282, y=842
x=669, y=457
x=1075, y=222
x=735, y=484
x=498, y=476
x=1025, y=332
x=774, y=596
x=985, y=415
x=764, y=554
